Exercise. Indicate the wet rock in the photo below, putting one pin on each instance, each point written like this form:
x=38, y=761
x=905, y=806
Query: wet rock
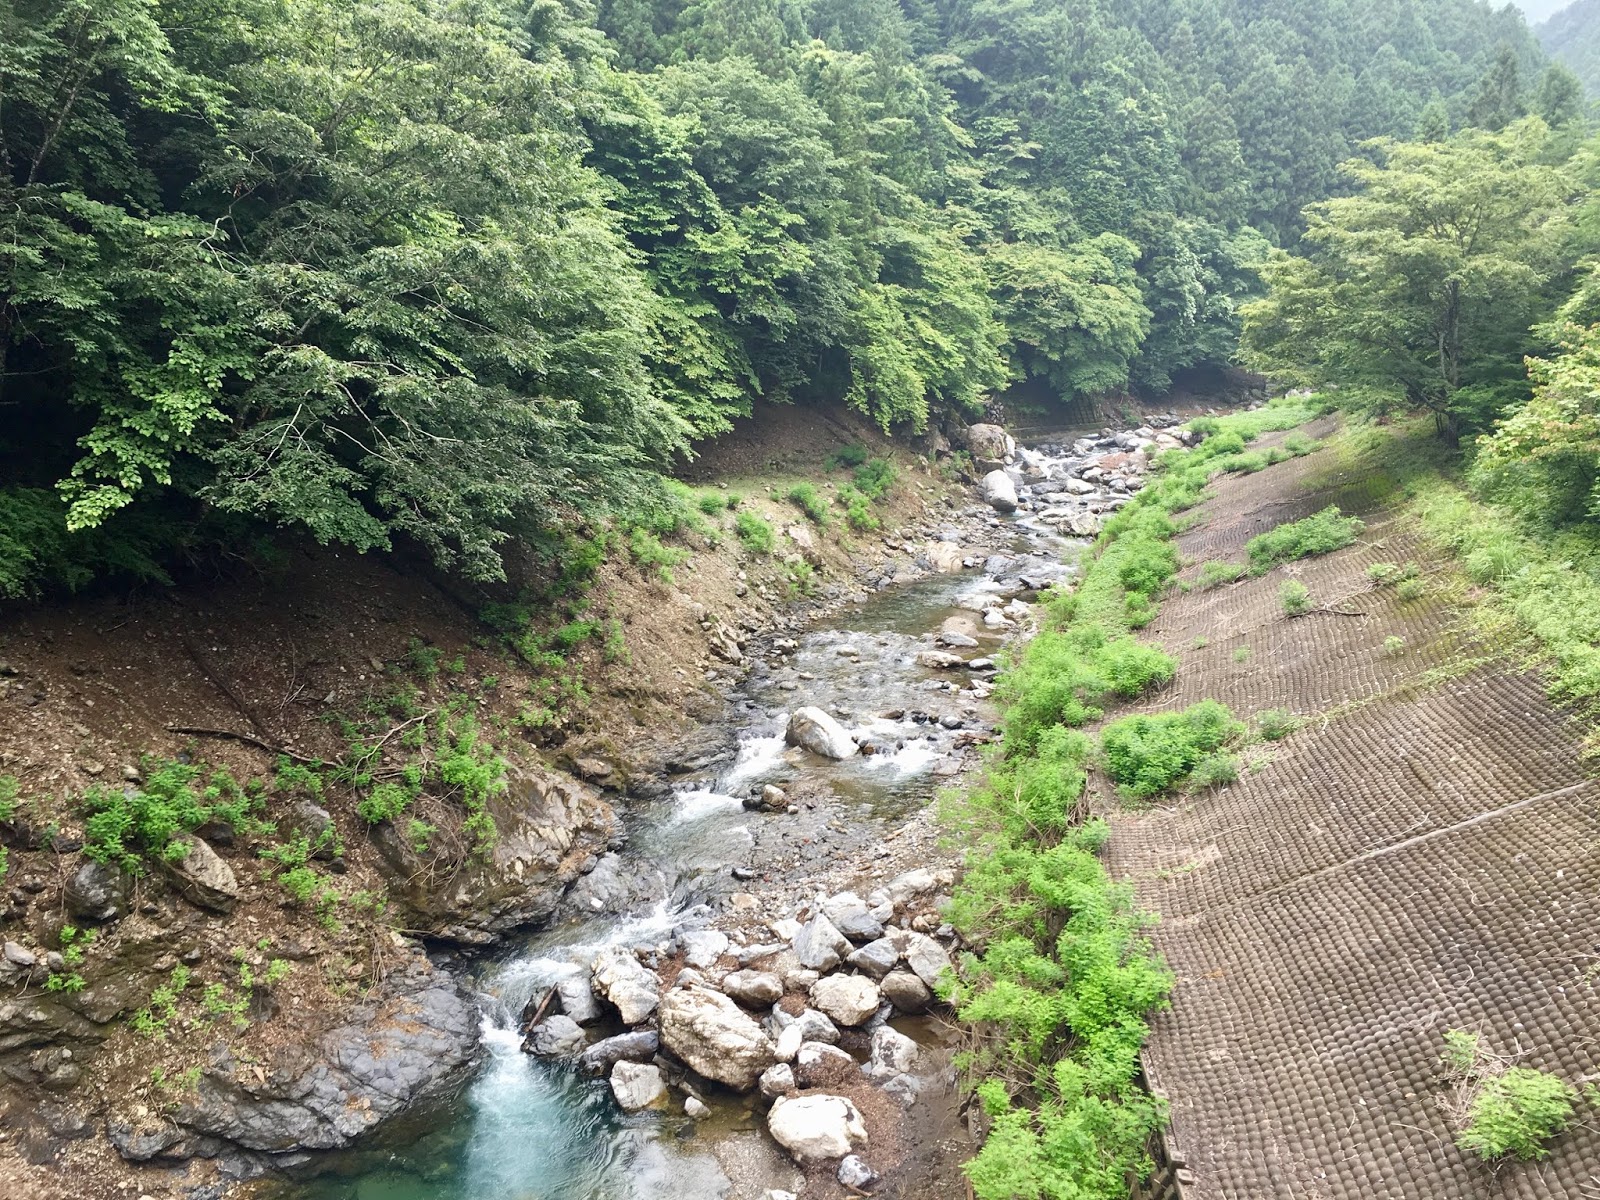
x=714, y=1037
x=854, y=1173
x=641, y=1046
x=202, y=877
x=819, y=945
x=96, y=892
x=557, y=1036
x=412, y=1042
x=851, y=917
x=703, y=947
x=816, y=1128
x=616, y=885
x=816, y=731
x=847, y=999
x=694, y=1107
x=630, y=988
x=906, y=992
x=892, y=1053
x=999, y=492
x=939, y=660
x=876, y=958
x=637, y=1086
x=578, y=1000
x=777, y=1080
x=754, y=989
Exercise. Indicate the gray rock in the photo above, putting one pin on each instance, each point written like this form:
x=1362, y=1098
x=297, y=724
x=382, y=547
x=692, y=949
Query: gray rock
x=640, y=1046
x=150, y=1139
x=631, y=988
x=637, y=1086
x=750, y=954
x=694, y=1107
x=19, y=956
x=851, y=917
x=819, y=945
x=202, y=877
x=846, y=999
x=755, y=989
x=557, y=1036
x=703, y=947
x=876, y=959
x=999, y=492
x=777, y=1080
x=903, y=1089
x=939, y=660
x=912, y=884
x=714, y=1037
x=923, y=955
x=854, y=1173
x=96, y=892
x=906, y=992
x=816, y=1128
x=892, y=1053
x=578, y=1000
x=989, y=443
x=816, y=1027
x=816, y=731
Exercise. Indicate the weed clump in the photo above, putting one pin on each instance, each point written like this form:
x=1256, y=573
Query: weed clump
x=1214, y=574
x=1504, y=1111
x=753, y=533
x=1295, y=598
x=804, y=497
x=1147, y=755
x=1320, y=534
x=1275, y=724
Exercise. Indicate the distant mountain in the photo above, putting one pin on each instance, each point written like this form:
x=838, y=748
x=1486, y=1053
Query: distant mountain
x=1541, y=10
x=1572, y=36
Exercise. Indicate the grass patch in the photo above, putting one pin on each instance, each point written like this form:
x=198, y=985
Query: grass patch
x=1295, y=598
x=1275, y=724
x=1215, y=574
x=804, y=497
x=754, y=534
x=1500, y=1110
x=1320, y=534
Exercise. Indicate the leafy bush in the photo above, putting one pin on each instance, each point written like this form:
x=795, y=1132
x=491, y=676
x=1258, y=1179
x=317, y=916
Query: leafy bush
x=1319, y=534
x=1408, y=590
x=852, y=455
x=1130, y=668
x=804, y=497
x=649, y=551
x=1214, y=770
x=1147, y=755
x=874, y=479
x=858, y=510
x=1295, y=598
x=1275, y=724
x=1063, y=676
x=1394, y=645
x=138, y=825
x=753, y=533
x=711, y=503
x=1515, y=1113
x=1299, y=445
x=1241, y=654
x=802, y=580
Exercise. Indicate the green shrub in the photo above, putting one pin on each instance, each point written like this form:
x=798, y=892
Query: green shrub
x=1382, y=574
x=1319, y=534
x=1147, y=755
x=1408, y=590
x=1393, y=646
x=1130, y=668
x=874, y=479
x=1515, y=1113
x=858, y=510
x=1214, y=574
x=711, y=503
x=139, y=825
x=1214, y=770
x=802, y=580
x=1295, y=598
x=649, y=551
x=753, y=533
x=1275, y=724
x=1241, y=654
x=1493, y=561
x=1299, y=445
x=804, y=497
x=852, y=455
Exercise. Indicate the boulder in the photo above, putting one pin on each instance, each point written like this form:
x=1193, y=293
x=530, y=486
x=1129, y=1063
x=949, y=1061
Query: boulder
x=816, y=1128
x=906, y=992
x=557, y=1036
x=577, y=999
x=816, y=731
x=990, y=443
x=911, y=884
x=876, y=958
x=892, y=1053
x=999, y=492
x=939, y=660
x=926, y=958
x=851, y=917
x=201, y=877
x=819, y=945
x=754, y=989
x=632, y=989
x=714, y=1037
x=945, y=557
x=777, y=1080
x=599, y=1058
x=96, y=892
x=637, y=1086
x=847, y=999
x=816, y=1027
x=696, y=1108
x=702, y=948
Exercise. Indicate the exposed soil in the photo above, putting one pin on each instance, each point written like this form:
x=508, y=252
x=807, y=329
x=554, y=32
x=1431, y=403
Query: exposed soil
x=1422, y=854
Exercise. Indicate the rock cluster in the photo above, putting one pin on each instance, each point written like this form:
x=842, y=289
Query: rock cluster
x=797, y=1015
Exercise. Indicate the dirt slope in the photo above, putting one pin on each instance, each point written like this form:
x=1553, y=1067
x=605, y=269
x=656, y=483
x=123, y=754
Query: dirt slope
x=1423, y=854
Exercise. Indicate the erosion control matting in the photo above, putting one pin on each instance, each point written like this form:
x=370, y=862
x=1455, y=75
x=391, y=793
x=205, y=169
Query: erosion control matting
x=1422, y=854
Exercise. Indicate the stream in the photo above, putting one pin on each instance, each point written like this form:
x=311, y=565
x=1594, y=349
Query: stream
x=528, y=1129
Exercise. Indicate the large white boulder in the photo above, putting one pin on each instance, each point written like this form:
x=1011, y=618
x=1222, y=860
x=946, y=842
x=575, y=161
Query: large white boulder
x=637, y=1086
x=990, y=443
x=714, y=1037
x=816, y=731
x=847, y=999
x=631, y=987
x=998, y=492
x=816, y=1128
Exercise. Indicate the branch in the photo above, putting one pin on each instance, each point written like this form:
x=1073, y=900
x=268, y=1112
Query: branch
x=248, y=739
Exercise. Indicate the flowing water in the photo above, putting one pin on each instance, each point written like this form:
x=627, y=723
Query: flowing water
x=525, y=1129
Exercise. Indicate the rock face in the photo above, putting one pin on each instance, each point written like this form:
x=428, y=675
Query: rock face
x=633, y=990
x=998, y=492
x=550, y=828
x=393, y=1052
x=714, y=1037
x=847, y=999
x=637, y=1086
x=202, y=877
x=816, y=1128
x=816, y=731
x=96, y=892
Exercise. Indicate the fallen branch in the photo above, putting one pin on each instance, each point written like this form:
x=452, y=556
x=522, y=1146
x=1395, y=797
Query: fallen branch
x=248, y=739
x=538, y=1013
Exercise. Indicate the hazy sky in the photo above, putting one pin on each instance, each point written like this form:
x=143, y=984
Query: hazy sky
x=1538, y=10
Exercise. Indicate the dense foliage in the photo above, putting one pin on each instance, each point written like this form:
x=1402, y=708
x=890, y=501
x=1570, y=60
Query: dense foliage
x=443, y=271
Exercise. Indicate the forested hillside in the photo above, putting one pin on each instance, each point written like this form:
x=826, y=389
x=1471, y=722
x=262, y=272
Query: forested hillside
x=442, y=273
x=1572, y=37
